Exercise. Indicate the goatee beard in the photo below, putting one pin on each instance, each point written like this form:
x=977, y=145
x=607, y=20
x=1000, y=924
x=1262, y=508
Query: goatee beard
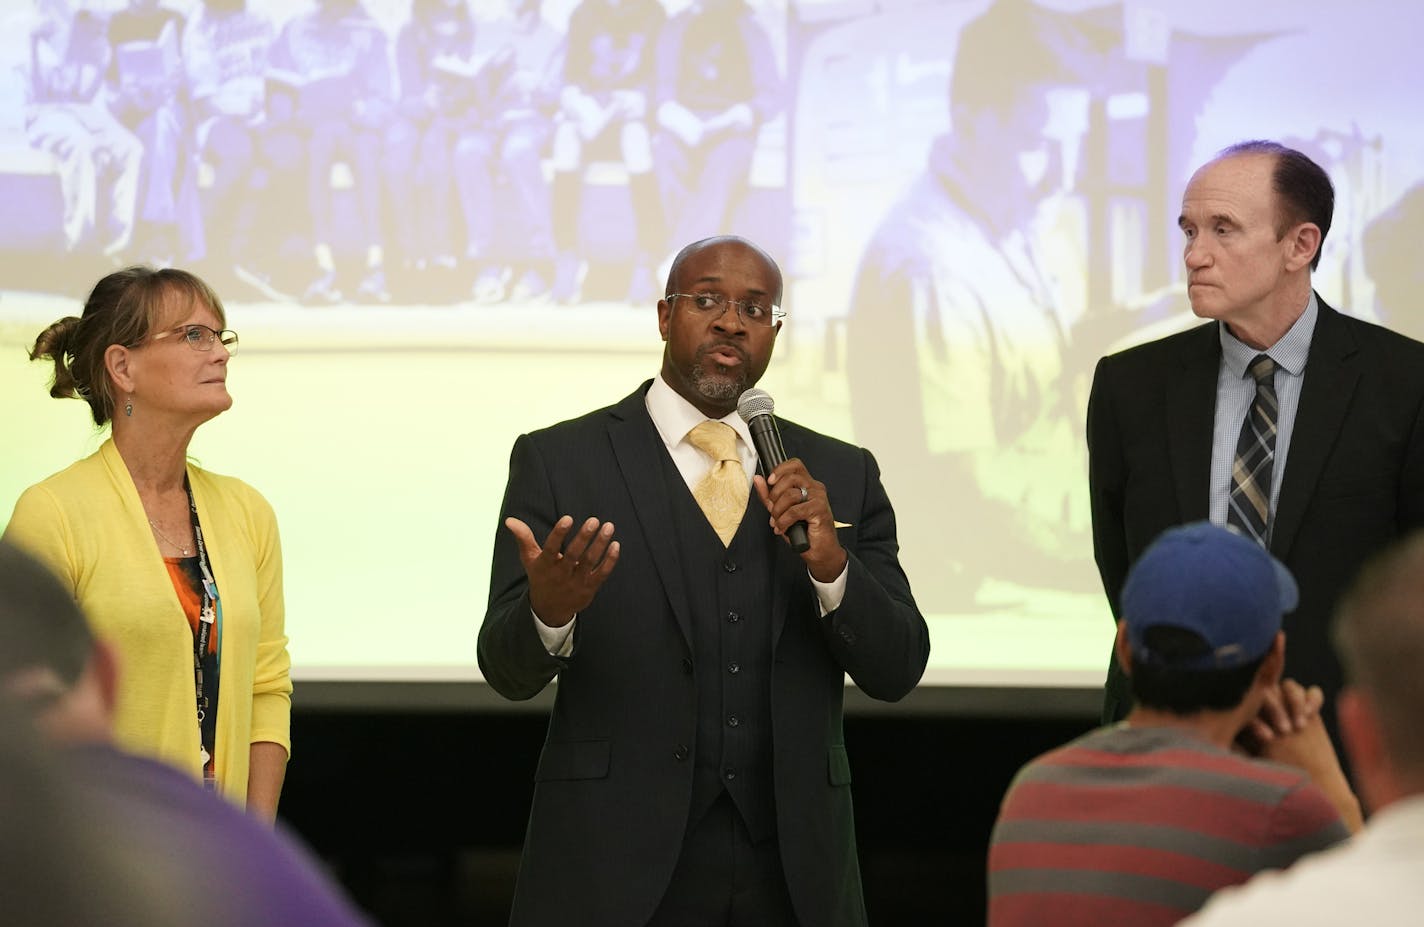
x=717, y=387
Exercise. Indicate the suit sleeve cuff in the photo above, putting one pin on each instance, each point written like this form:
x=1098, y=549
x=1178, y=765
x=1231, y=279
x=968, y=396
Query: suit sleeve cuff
x=560, y=641
x=831, y=594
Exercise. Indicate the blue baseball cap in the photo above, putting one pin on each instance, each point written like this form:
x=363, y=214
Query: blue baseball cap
x=1214, y=582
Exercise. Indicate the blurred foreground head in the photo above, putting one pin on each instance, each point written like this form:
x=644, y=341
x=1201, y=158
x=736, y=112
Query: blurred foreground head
x=1379, y=634
x=61, y=859
x=51, y=666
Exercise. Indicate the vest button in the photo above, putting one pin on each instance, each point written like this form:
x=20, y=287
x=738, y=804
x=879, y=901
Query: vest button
x=734, y=668
x=729, y=565
x=733, y=617
x=680, y=753
x=733, y=720
x=687, y=666
x=729, y=774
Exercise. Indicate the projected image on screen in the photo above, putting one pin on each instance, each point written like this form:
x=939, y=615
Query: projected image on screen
x=438, y=224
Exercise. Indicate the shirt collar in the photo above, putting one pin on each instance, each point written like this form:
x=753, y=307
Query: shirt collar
x=1289, y=353
x=673, y=416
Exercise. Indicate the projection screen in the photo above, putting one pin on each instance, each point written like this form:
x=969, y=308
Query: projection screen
x=972, y=202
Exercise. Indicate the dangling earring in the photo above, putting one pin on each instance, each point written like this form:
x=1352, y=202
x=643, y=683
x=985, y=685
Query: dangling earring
x=128, y=407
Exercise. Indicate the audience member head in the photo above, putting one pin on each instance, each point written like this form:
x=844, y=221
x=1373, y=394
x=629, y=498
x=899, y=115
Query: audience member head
x=1303, y=190
x=50, y=663
x=1379, y=634
x=125, y=308
x=63, y=859
x=1201, y=621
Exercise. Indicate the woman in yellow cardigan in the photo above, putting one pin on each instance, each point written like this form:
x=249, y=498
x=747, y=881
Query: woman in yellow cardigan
x=181, y=569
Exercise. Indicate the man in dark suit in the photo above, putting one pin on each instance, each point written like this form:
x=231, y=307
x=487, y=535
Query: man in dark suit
x=695, y=770
x=1342, y=399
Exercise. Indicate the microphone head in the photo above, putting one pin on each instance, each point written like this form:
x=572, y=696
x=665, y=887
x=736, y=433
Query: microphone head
x=755, y=402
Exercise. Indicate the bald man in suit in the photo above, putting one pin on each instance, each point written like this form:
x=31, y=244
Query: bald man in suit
x=1346, y=472
x=695, y=770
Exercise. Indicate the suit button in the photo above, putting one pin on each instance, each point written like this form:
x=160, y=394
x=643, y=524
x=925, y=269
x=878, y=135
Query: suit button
x=847, y=635
x=687, y=666
x=733, y=720
x=729, y=565
x=734, y=668
x=733, y=617
x=680, y=753
x=729, y=774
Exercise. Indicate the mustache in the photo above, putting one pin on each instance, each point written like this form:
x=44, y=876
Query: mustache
x=709, y=347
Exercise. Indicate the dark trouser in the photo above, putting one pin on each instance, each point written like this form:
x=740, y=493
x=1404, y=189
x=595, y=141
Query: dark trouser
x=231, y=149
x=419, y=169
x=724, y=879
x=511, y=151
x=334, y=141
x=701, y=187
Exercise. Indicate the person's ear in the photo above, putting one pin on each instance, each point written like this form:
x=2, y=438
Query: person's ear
x=1302, y=244
x=664, y=317
x=118, y=365
x=1274, y=664
x=1123, y=649
x=1364, y=744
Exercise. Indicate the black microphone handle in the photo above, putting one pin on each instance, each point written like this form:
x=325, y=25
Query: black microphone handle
x=770, y=455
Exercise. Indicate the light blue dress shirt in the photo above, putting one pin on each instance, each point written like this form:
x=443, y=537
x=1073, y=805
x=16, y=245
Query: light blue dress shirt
x=1236, y=390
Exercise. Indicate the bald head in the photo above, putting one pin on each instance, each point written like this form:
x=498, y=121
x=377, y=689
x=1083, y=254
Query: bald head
x=675, y=283
x=1303, y=190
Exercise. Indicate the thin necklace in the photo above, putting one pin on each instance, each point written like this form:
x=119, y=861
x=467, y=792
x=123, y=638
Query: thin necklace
x=159, y=531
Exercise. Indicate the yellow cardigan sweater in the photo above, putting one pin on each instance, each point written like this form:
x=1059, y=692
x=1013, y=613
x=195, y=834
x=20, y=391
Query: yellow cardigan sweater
x=88, y=525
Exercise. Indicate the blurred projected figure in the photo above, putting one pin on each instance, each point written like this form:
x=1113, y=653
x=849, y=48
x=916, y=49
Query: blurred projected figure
x=508, y=146
x=147, y=94
x=1391, y=246
x=439, y=75
x=331, y=89
x=954, y=345
x=97, y=157
x=605, y=109
x=717, y=84
x=225, y=52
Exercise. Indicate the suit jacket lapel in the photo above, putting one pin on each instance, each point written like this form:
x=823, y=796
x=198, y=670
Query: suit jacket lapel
x=1330, y=379
x=1190, y=421
x=785, y=560
x=637, y=447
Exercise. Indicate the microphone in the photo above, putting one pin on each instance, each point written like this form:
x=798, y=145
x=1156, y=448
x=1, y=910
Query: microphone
x=755, y=407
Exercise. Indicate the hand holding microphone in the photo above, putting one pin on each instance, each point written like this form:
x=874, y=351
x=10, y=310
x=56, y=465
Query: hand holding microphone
x=795, y=495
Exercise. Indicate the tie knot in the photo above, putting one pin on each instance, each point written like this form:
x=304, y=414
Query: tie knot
x=717, y=440
x=1261, y=367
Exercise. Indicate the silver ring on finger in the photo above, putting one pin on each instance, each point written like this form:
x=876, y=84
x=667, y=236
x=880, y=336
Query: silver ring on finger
x=804, y=494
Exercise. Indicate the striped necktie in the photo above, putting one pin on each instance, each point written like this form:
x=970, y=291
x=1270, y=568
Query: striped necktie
x=1250, y=505
x=722, y=493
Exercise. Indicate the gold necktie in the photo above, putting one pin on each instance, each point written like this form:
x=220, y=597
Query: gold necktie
x=722, y=494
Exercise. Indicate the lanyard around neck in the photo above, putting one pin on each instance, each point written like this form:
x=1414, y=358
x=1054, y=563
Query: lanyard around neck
x=209, y=622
